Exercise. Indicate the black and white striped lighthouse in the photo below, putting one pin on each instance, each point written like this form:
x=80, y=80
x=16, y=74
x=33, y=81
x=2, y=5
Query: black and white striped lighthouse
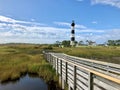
x=72, y=42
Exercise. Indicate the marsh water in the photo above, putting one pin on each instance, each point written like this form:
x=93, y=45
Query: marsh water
x=25, y=83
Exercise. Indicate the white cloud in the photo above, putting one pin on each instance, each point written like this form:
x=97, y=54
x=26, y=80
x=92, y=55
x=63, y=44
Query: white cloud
x=101, y=36
x=6, y=19
x=69, y=25
x=10, y=31
x=62, y=24
x=94, y=22
x=89, y=31
x=10, y=20
x=19, y=32
x=115, y=3
x=80, y=26
x=32, y=19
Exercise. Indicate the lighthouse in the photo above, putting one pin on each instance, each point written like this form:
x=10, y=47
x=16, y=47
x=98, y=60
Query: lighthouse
x=72, y=42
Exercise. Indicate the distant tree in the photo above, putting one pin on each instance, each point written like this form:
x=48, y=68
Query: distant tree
x=113, y=42
x=89, y=42
x=81, y=42
x=66, y=43
x=118, y=42
x=57, y=43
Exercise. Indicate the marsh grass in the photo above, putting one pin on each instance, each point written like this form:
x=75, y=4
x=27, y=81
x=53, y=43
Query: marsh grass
x=16, y=60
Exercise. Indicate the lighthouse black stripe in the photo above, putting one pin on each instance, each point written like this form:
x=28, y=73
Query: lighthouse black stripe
x=72, y=38
x=72, y=31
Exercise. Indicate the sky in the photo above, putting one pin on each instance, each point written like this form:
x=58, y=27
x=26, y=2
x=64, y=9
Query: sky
x=48, y=21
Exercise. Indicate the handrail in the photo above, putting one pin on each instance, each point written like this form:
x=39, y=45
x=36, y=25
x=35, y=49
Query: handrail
x=99, y=62
x=114, y=79
x=109, y=67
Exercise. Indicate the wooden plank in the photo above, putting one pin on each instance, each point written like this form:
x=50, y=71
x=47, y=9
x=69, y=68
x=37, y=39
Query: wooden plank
x=106, y=84
x=70, y=76
x=63, y=67
x=79, y=87
x=63, y=63
x=63, y=71
x=70, y=71
x=70, y=67
x=103, y=85
x=96, y=88
x=79, y=69
x=70, y=81
x=82, y=85
x=80, y=73
x=78, y=77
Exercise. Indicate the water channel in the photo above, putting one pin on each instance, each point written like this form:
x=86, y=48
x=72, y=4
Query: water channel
x=25, y=83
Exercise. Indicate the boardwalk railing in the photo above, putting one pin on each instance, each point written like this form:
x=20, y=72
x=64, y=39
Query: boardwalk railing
x=84, y=74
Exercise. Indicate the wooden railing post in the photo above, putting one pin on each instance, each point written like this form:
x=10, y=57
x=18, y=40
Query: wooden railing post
x=47, y=57
x=55, y=62
x=61, y=71
x=51, y=59
x=90, y=81
x=60, y=75
x=57, y=66
x=74, y=88
x=66, y=76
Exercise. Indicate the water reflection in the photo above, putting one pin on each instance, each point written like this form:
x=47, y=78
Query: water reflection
x=25, y=83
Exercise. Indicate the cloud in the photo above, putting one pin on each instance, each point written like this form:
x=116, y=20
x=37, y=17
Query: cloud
x=81, y=26
x=101, y=36
x=62, y=23
x=10, y=20
x=19, y=32
x=11, y=30
x=90, y=31
x=69, y=25
x=94, y=22
x=115, y=3
x=6, y=19
x=32, y=19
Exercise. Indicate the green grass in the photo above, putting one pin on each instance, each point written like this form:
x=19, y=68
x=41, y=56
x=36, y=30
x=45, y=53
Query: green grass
x=106, y=54
x=16, y=60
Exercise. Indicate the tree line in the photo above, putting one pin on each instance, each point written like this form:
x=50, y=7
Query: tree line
x=66, y=43
x=113, y=42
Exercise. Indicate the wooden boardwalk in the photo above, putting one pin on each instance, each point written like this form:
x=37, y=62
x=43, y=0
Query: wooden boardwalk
x=84, y=74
